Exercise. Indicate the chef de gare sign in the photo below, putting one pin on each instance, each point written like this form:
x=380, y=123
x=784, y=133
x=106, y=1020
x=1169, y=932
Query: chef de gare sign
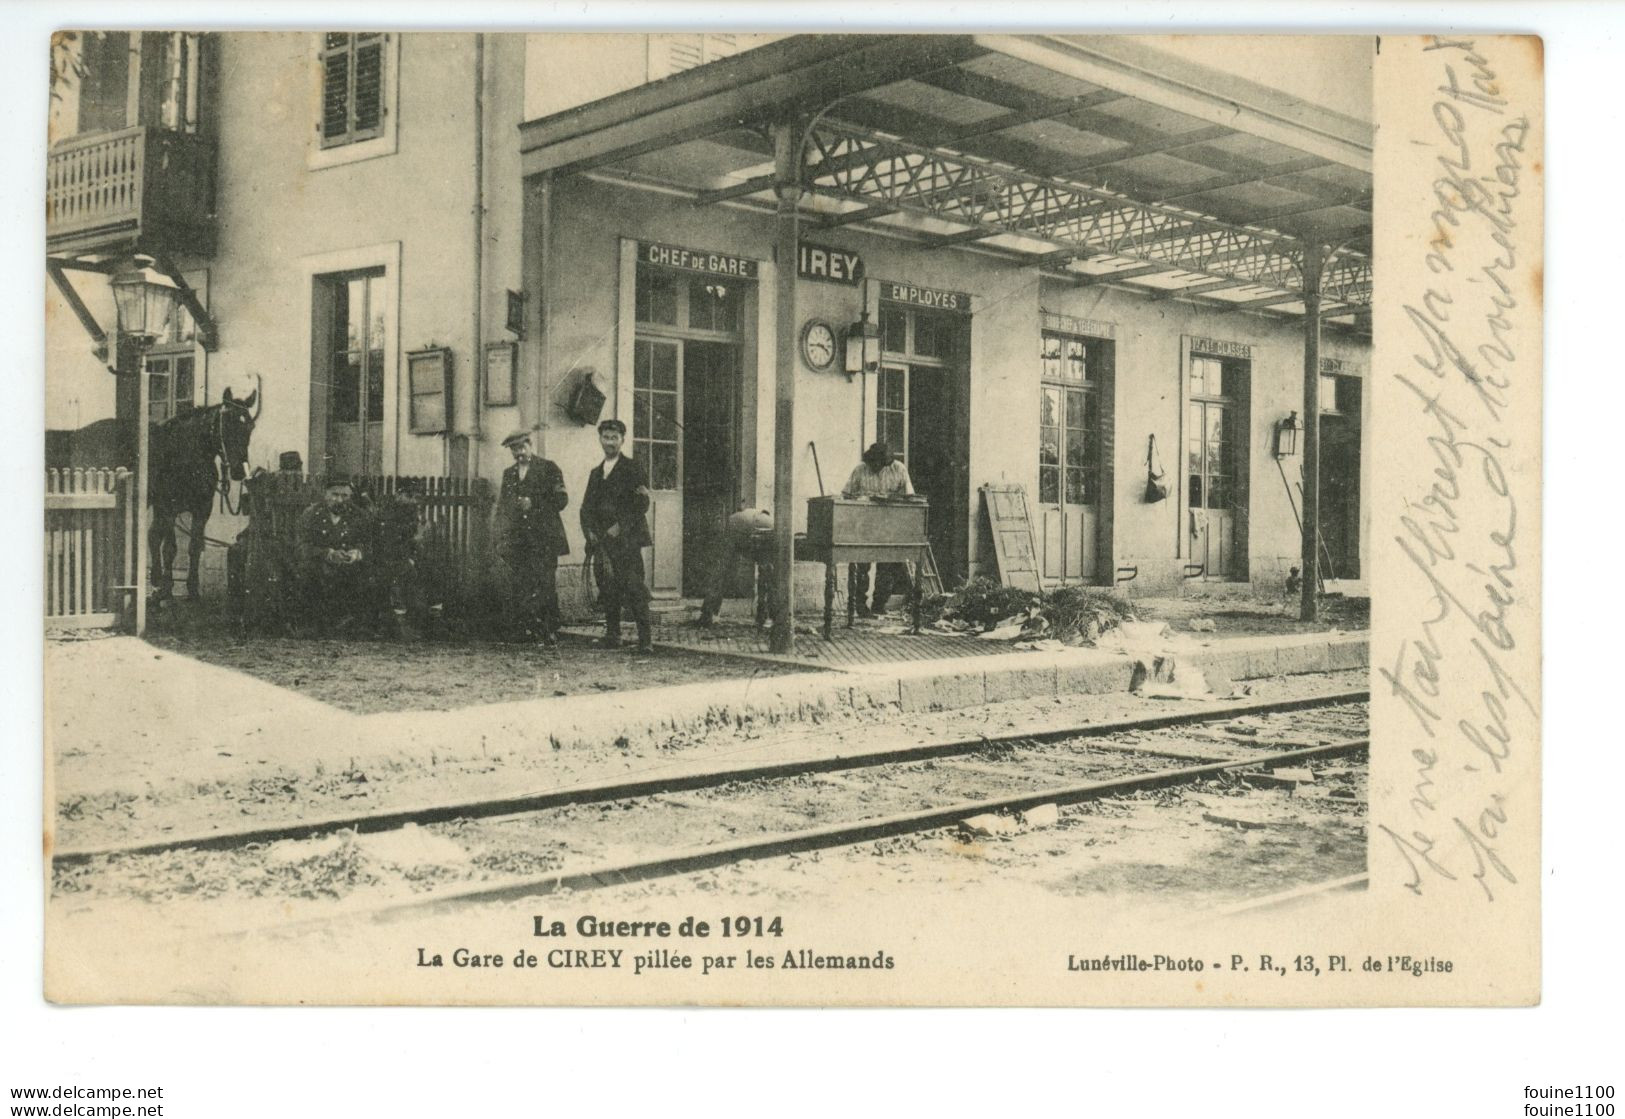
x=696, y=260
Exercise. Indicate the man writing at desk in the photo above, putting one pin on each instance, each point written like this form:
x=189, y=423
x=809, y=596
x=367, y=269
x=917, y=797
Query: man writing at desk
x=878, y=475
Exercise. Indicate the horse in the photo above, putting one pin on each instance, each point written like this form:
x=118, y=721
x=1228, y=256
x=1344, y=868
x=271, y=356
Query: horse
x=191, y=458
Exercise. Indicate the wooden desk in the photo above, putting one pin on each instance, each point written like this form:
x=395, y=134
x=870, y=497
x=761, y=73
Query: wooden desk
x=867, y=530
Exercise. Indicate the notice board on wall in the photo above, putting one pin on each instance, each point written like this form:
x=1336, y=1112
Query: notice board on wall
x=1014, y=547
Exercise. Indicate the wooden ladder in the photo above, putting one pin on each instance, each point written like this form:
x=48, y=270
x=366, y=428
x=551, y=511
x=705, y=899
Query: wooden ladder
x=930, y=577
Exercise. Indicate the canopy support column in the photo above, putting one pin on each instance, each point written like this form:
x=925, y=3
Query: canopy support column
x=1313, y=260
x=787, y=186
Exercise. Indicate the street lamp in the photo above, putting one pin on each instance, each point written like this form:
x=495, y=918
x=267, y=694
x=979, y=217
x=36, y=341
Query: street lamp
x=144, y=310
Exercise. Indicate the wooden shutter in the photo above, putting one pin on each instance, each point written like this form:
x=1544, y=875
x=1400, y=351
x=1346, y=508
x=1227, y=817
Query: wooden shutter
x=352, y=87
x=687, y=52
x=368, y=99
x=672, y=54
x=335, y=89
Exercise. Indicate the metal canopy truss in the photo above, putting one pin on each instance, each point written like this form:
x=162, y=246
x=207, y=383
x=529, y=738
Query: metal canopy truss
x=1096, y=159
x=886, y=173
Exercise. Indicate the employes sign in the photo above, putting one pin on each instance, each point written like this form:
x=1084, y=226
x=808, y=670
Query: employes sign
x=926, y=297
x=832, y=266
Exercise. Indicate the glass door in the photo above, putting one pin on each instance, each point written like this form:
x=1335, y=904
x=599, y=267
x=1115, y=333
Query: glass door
x=1211, y=468
x=657, y=423
x=355, y=398
x=1069, y=426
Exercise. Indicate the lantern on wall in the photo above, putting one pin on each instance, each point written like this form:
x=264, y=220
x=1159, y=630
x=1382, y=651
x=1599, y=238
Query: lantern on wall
x=144, y=308
x=1286, y=436
x=862, y=346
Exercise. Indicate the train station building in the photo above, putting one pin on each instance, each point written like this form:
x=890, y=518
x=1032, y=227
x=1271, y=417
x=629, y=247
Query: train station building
x=1117, y=276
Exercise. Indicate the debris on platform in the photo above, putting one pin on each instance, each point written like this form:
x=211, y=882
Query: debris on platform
x=988, y=824
x=1301, y=774
x=1043, y=816
x=411, y=846
x=1168, y=677
x=289, y=852
x=1234, y=821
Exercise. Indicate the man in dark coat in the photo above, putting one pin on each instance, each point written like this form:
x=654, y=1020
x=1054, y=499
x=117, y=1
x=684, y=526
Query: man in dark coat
x=532, y=535
x=617, y=530
x=397, y=531
x=335, y=536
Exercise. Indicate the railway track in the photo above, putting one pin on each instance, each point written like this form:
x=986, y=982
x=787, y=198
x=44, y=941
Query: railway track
x=590, y=836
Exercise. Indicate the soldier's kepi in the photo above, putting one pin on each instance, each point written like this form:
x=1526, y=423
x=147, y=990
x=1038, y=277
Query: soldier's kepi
x=335, y=537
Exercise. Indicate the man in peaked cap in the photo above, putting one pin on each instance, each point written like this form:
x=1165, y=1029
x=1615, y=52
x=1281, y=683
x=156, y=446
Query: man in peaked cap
x=617, y=530
x=335, y=536
x=532, y=537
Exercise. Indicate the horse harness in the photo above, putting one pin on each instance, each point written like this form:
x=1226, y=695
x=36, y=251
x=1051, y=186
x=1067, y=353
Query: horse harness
x=223, y=481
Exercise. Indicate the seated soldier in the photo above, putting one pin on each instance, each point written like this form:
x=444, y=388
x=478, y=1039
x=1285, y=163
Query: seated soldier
x=397, y=534
x=334, y=537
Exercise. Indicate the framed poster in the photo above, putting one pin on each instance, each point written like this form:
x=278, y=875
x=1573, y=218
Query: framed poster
x=428, y=382
x=501, y=374
x=516, y=313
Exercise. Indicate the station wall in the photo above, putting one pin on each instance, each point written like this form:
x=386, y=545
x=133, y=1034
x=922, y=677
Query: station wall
x=593, y=218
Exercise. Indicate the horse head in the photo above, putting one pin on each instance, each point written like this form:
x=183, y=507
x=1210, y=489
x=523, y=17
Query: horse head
x=236, y=428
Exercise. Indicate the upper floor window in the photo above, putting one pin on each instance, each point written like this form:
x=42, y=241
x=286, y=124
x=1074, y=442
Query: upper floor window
x=353, y=106
x=358, y=97
x=106, y=81
x=672, y=54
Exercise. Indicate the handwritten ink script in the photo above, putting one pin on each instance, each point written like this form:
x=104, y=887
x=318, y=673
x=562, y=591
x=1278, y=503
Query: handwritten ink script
x=1464, y=375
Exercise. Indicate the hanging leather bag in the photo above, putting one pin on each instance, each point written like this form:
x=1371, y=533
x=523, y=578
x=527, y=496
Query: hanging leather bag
x=1156, y=479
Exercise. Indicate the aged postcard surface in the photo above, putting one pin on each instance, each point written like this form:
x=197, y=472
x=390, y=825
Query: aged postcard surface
x=793, y=519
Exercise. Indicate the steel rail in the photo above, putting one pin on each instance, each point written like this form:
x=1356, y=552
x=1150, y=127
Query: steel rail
x=845, y=834
x=678, y=782
x=1307, y=892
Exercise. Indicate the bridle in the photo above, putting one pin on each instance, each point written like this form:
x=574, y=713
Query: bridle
x=223, y=482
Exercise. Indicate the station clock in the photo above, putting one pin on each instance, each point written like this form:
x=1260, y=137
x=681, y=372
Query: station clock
x=818, y=345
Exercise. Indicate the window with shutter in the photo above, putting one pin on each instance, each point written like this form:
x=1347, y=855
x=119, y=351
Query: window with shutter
x=353, y=93
x=672, y=54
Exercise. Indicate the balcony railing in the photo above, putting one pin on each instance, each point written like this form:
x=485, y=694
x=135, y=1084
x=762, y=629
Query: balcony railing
x=146, y=189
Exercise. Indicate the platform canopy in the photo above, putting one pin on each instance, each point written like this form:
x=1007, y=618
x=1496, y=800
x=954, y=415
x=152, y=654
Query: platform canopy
x=1101, y=159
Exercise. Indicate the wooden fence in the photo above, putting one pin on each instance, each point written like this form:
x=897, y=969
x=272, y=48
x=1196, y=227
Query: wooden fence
x=89, y=546
x=457, y=511
x=454, y=552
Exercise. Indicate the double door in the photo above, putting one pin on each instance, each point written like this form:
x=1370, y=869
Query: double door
x=1068, y=483
x=351, y=409
x=685, y=432
x=1075, y=372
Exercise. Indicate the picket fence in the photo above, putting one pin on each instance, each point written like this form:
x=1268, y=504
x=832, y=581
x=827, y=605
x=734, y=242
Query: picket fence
x=90, y=554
